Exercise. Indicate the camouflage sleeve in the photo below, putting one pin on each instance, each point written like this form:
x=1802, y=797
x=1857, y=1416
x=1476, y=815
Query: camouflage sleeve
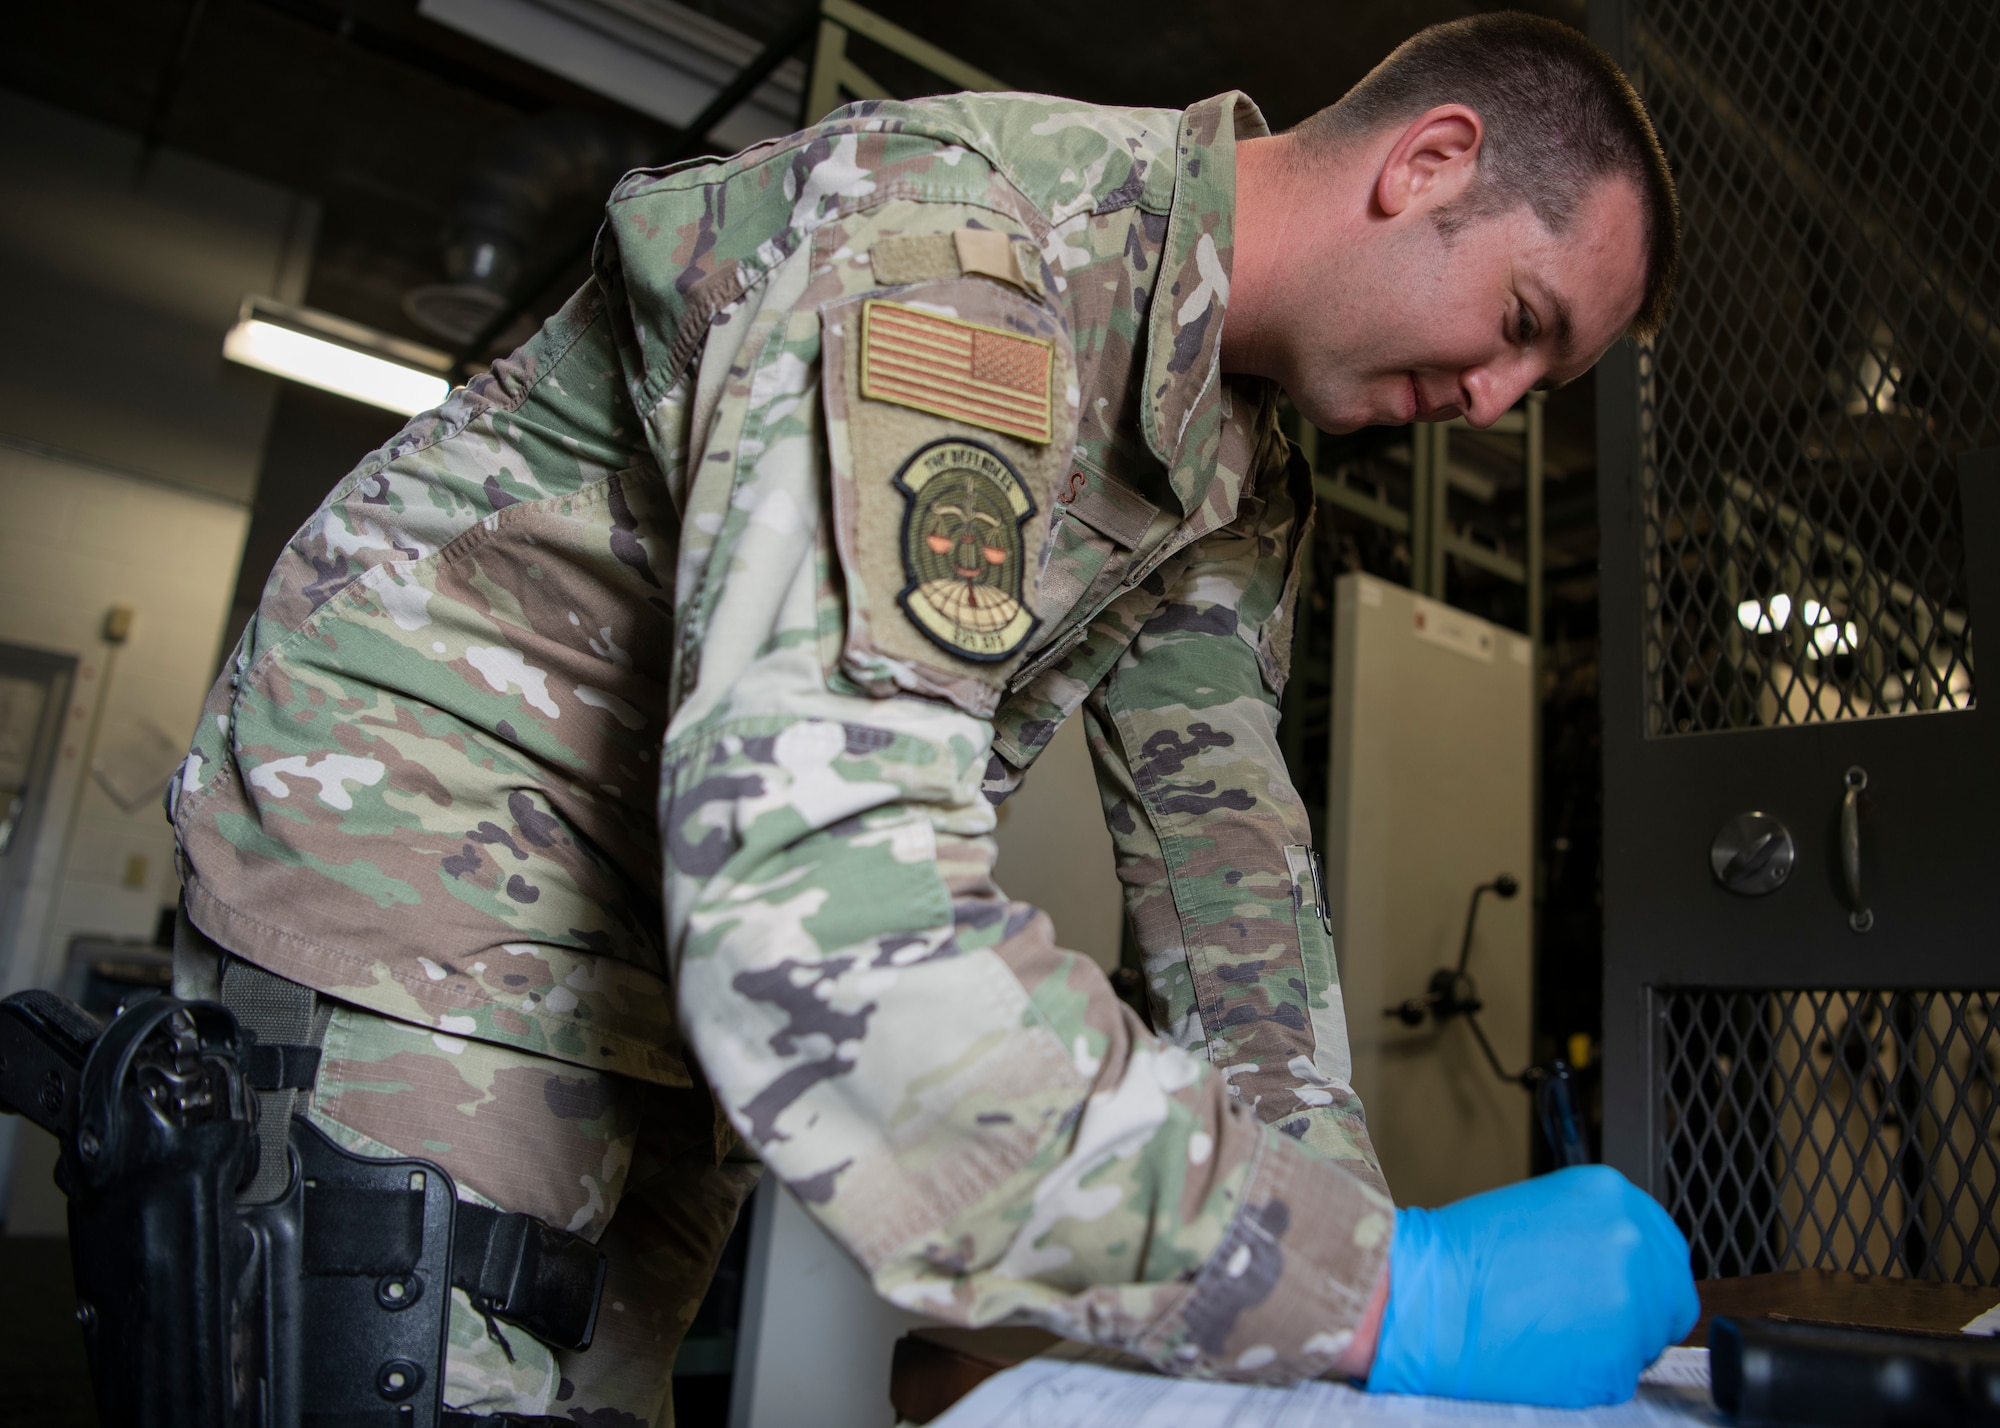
x=967, y=1107
x=1213, y=845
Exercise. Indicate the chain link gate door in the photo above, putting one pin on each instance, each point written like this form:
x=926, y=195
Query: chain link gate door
x=1802, y=873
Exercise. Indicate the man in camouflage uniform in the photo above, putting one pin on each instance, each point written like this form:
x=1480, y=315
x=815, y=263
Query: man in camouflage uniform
x=617, y=751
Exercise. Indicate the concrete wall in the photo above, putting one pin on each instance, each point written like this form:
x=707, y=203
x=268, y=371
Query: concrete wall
x=77, y=541
x=129, y=452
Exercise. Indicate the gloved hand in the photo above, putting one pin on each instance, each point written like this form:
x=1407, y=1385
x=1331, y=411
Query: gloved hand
x=1557, y=1291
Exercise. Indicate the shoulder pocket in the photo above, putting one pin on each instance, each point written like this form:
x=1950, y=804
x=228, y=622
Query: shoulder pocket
x=949, y=419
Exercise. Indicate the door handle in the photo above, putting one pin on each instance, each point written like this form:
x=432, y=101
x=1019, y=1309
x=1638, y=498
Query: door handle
x=1858, y=916
x=1753, y=854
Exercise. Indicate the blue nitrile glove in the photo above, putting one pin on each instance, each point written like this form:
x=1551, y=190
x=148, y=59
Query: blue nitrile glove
x=1557, y=1291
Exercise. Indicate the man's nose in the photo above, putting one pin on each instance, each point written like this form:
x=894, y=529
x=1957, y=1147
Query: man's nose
x=1493, y=389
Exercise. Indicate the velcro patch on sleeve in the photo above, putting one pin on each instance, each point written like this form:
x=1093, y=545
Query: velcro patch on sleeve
x=969, y=252
x=966, y=371
x=914, y=258
x=995, y=255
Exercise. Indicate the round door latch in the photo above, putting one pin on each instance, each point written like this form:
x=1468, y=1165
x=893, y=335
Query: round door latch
x=1753, y=854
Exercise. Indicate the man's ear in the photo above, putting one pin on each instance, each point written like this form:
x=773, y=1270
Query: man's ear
x=1433, y=161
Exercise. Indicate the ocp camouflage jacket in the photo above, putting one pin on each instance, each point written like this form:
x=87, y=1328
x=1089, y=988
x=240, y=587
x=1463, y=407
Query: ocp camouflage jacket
x=663, y=682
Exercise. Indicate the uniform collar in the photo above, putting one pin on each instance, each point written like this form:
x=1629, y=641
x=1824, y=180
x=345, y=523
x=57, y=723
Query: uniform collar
x=1182, y=412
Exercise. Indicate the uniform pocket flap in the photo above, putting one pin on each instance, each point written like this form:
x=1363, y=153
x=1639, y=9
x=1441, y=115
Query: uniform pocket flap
x=1108, y=506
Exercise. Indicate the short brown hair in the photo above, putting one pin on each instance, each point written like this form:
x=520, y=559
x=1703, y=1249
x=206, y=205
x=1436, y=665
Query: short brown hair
x=1559, y=118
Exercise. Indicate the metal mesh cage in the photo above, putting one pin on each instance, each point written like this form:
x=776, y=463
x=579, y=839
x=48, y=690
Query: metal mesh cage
x=1833, y=352
x=1831, y=1130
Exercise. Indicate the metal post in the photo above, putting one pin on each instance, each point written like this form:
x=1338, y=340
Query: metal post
x=1439, y=510
x=834, y=74
x=1420, y=507
x=1532, y=584
x=823, y=88
x=1533, y=562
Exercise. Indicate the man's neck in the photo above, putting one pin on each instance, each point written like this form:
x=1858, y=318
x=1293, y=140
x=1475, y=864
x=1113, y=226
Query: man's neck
x=1286, y=221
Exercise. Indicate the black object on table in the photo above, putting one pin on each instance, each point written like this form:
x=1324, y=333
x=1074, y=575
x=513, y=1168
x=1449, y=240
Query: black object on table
x=1764, y=1371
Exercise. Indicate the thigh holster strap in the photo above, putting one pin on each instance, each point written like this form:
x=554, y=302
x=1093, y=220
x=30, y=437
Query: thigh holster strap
x=515, y=1267
x=280, y=1067
x=529, y=1273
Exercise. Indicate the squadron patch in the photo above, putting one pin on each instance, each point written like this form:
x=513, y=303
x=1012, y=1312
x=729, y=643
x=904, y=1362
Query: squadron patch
x=982, y=376
x=963, y=551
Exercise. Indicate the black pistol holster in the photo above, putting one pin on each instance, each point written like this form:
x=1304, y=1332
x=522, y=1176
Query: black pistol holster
x=322, y=1304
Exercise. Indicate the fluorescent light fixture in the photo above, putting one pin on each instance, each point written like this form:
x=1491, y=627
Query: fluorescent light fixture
x=335, y=355
x=1752, y=615
x=1831, y=638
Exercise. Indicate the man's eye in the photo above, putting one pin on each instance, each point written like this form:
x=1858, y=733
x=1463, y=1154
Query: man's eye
x=1525, y=324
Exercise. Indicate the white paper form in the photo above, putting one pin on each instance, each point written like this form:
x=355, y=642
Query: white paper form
x=1987, y=1323
x=1678, y=1368
x=1071, y=1389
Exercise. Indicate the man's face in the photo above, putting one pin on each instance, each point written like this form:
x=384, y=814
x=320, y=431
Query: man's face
x=1427, y=329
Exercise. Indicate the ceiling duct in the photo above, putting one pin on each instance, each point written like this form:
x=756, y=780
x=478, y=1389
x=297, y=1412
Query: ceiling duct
x=509, y=208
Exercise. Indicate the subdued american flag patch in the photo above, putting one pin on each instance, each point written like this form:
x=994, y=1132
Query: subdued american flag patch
x=966, y=371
